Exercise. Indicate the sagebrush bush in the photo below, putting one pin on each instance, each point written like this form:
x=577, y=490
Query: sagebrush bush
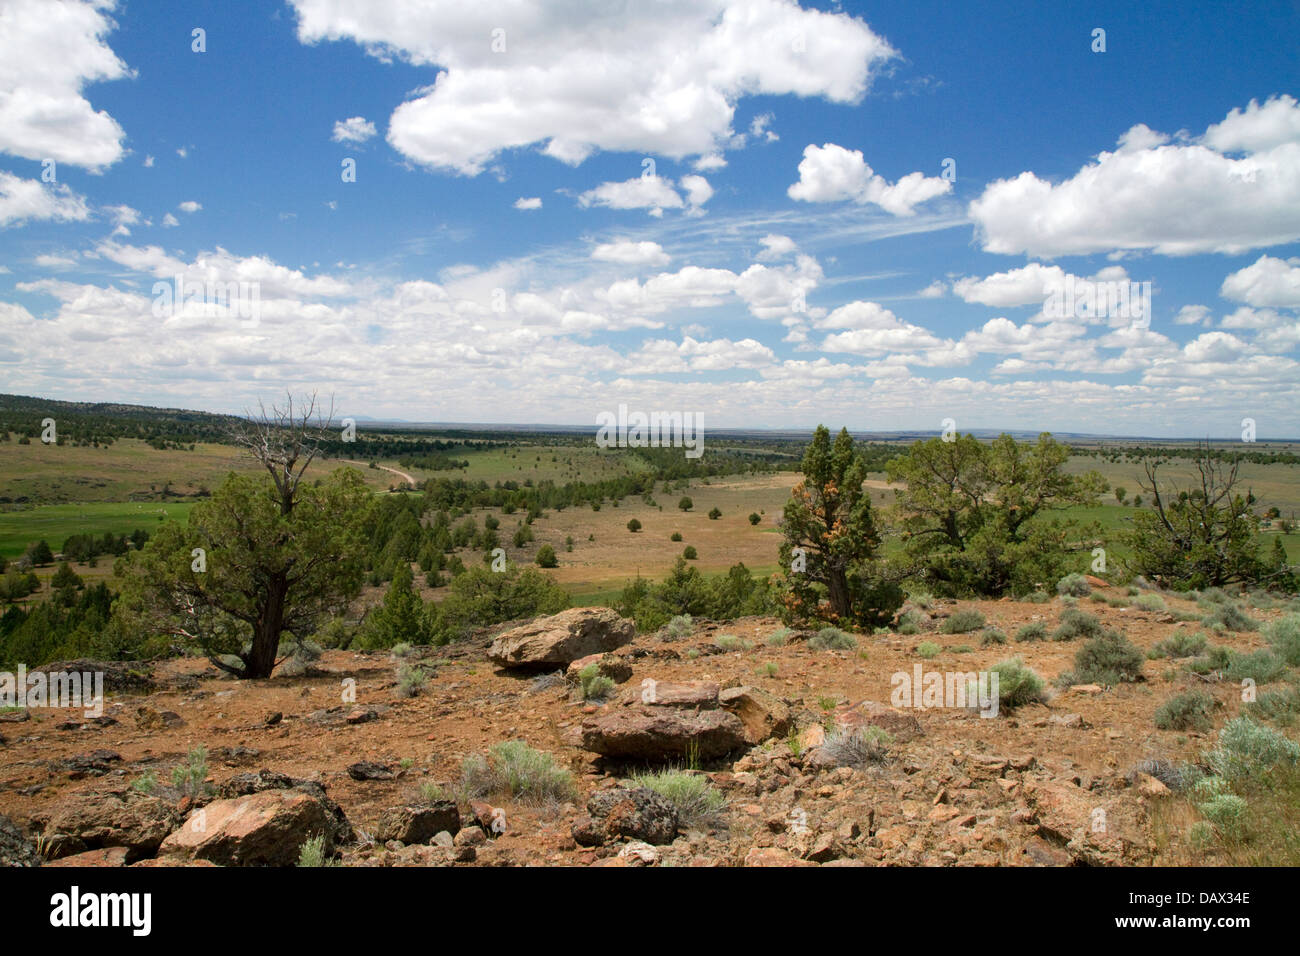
x=1108, y=658
x=1284, y=637
x=1280, y=707
x=1230, y=617
x=1214, y=659
x=992, y=636
x=1261, y=666
x=431, y=793
x=909, y=623
x=1188, y=711
x=312, y=853
x=1179, y=645
x=1033, y=631
x=1227, y=812
x=1038, y=597
x=1075, y=585
x=921, y=599
x=410, y=681
x=514, y=768
x=832, y=638
x=697, y=802
x=679, y=627
x=1150, y=602
x=963, y=621
x=1261, y=601
x=1075, y=623
x=779, y=638
x=593, y=685
x=928, y=650
x=1247, y=750
x=1017, y=684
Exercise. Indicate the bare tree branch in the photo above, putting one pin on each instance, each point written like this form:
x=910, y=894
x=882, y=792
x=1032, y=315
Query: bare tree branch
x=285, y=441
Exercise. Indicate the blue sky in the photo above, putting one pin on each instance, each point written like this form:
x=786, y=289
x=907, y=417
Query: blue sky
x=764, y=212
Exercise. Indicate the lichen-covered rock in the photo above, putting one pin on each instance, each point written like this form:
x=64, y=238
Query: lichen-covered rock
x=635, y=814
x=15, y=848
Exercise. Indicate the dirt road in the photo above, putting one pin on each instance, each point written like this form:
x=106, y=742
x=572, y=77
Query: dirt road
x=400, y=474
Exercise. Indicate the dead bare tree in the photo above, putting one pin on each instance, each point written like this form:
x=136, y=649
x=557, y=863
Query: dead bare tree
x=285, y=441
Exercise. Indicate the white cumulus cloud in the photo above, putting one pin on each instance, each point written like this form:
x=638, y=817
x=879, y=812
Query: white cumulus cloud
x=660, y=78
x=831, y=173
x=355, y=129
x=50, y=50
x=1174, y=199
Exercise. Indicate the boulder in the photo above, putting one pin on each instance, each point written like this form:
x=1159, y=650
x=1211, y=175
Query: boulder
x=1149, y=786
x=244, y=784
x=663, y=733
x=418, y=824
x=97, y=820
x=264, y=829
x=639, y=854
x=15, y=848
x=615, y=668
x=899, y=724
x=369, y=770
x=557, y=640
x=637, y=814
x=1093, y=829
x=491, y=819
x=762, y=715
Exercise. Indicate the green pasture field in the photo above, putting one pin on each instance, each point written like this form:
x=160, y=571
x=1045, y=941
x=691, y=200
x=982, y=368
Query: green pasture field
x=56, y=523
x=128, y=470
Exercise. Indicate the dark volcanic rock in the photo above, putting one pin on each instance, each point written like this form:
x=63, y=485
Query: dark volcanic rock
x=639, y=814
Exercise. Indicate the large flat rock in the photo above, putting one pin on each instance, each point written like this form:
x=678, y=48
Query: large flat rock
x=556, y=641
x=663, y=733
x=264, y=829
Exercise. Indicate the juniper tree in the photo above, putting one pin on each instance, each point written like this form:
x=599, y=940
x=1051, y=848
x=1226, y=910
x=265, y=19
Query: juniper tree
x=1200, y=536
x=261, y=559
x=976, y=518
x=830, y=545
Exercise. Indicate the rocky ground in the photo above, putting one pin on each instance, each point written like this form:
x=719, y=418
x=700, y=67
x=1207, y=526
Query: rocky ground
x=338, y=752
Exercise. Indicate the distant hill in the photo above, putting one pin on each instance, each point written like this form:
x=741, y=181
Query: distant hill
x=89, y=422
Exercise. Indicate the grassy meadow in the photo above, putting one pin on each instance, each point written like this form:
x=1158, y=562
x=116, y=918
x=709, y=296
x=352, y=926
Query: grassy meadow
x=52, y=492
